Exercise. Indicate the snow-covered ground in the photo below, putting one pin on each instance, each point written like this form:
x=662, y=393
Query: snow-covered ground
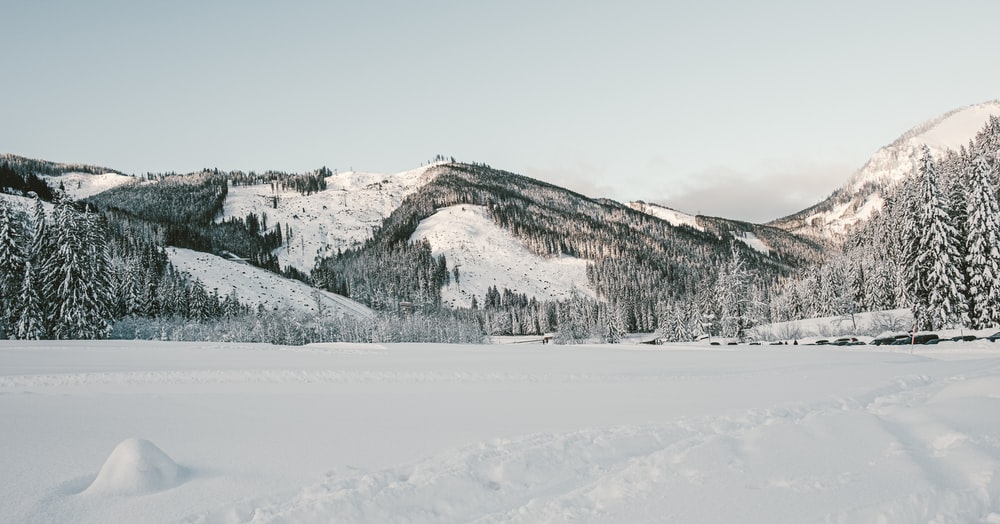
x=487, y=255
x=867, y=324
x=255, y=286
x=123, y=431
x=672, y=216
x=752, y=241
x=83, y=185
x=341, y=216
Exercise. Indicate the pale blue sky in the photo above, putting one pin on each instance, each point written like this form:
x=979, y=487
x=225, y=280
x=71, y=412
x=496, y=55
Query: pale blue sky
x=749, y=110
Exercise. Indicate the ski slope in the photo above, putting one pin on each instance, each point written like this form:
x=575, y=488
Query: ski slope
x=674, y=217
x=343, y=215
x=134, y=431
x=487, y=255
x=83, y=185
x=257, y=287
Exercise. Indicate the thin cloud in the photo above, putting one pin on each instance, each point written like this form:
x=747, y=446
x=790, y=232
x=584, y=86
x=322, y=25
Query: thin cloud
x=730, y=194
x=586, y=179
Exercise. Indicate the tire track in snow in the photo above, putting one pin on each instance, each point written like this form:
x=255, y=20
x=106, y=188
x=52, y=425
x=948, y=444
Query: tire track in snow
x=595, y=474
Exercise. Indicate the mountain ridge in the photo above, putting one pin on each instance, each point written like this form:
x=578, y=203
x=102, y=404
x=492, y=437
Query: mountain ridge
x=861, y=195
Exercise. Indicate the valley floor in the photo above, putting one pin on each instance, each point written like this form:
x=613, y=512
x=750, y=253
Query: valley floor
x=515, y=433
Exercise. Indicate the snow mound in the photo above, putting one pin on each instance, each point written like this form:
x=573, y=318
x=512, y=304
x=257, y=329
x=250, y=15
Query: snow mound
x=136, y=466
x=487, y=255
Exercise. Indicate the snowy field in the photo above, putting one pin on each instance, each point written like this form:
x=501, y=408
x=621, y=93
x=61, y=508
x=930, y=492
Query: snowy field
x=513, y=433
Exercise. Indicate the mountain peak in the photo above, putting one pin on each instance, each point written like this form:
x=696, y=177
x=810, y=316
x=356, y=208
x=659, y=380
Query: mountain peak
x=860, y=197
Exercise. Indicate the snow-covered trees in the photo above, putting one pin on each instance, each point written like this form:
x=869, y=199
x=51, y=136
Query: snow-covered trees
x=11, y=263
x=77, y=270
x=935, y=261
x=29, y=313
x=934, y=246
x=983, y=244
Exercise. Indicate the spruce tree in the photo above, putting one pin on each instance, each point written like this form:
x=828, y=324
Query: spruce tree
x=77, y=269
x=938, y=282
x=983, y=246
x=30, y=324
x=732, y=293
x=11, y=268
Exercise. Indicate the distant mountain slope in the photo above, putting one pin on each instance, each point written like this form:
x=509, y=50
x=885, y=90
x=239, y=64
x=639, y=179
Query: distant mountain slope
x=343, y=215
x=257, y=287
x=46, y=167
x=676, y=218
x=764, y=239
x=536, y=237
x=79, y=185
x=862, y=194
x=489, y=256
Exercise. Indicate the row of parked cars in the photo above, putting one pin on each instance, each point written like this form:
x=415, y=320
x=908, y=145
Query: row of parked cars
x=905, y=339
x=895, y=339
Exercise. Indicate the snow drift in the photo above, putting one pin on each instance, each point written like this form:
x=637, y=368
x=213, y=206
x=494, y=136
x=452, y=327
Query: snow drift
x=136, y=466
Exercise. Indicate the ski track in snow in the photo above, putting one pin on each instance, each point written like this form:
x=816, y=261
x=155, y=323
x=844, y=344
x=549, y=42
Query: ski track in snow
x=631, y=473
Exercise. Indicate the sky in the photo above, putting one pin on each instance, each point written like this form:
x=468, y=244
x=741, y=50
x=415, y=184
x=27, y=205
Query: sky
x=747, y=110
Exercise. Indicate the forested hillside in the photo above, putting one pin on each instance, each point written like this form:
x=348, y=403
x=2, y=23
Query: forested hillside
x=934, y=247
x=638, y=263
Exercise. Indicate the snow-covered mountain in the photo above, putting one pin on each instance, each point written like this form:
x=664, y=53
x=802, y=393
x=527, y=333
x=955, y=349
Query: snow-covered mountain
x=342, y=216
x=861, y=195
x=766, y=240
x=495, y=229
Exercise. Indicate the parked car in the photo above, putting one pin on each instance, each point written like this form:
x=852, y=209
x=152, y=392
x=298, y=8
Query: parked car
x=964, y=338
x=926, y=338
x=886, y=340
x=845, y=341
x=994, y=337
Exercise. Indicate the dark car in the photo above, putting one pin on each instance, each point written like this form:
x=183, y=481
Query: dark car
x=890, y=340
x=994, y=337
x=926, y=338
x=846, y=341
x=964, y=338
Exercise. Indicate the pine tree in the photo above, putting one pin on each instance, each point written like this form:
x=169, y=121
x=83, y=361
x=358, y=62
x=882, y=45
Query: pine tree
x=30, y=322
x=938, y=282
x=11, y=268
x=732, y=293
x=77, y=272
x=983, y=246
